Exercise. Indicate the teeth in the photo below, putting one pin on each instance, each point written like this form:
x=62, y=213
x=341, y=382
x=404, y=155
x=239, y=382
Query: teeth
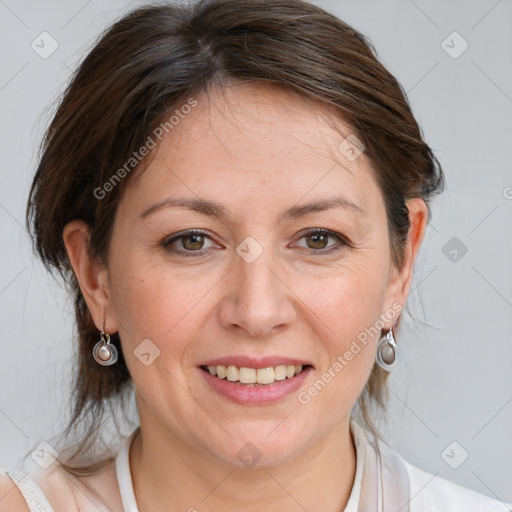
x=247, y=375
x=221, y=371
x=232, y=373
x=280, y=372
x=265, y=375
x=255, y=375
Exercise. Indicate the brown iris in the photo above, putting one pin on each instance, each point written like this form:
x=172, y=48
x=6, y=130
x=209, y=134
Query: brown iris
x=196, y=241
x=319, y=240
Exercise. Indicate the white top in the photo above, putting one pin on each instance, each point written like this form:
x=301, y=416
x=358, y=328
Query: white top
x=425, y=492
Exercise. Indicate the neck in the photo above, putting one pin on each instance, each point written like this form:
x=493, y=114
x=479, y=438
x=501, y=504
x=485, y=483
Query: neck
x=169, y=475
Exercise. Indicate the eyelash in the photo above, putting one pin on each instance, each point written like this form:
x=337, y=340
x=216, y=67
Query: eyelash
x=343, y=242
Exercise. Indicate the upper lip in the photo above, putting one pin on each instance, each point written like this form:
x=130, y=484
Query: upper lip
x=253, y=362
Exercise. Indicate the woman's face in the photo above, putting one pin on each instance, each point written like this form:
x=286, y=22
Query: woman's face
x=256, y=290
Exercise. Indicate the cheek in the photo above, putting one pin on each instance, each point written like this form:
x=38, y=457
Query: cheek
x=352, y=335
x=349, y=298
x=347, y=307
x=155, y=303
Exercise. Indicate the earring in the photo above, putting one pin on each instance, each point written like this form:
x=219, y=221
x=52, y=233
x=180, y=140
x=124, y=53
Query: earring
x=104, y=352
x=386, y=351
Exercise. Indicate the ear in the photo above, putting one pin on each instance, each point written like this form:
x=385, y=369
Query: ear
x=400, y=280
x=91, y=275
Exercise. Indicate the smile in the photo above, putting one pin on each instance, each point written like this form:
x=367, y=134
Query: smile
x=254, y=376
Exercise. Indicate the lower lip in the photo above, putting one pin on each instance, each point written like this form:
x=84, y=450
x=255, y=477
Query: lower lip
x=256, y=395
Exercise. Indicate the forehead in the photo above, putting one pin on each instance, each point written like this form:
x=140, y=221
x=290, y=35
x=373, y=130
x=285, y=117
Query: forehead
x=252, y=143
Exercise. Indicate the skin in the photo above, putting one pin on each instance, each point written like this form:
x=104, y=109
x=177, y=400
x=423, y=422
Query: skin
x=257, y=151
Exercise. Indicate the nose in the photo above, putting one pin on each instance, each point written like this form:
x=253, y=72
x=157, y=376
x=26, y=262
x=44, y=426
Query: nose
x=259, y=300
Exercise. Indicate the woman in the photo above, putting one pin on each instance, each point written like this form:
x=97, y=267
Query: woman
x=236, y=193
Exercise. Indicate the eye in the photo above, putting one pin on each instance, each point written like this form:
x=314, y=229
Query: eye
x=317, y=240
x=191, y=241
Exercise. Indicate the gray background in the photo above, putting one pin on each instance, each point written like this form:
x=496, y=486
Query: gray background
x=454, y=383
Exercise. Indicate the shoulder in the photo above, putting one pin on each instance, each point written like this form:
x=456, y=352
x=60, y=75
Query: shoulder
x=11, y=499
x=55, y=490
x=432, y=493
x=37, y=490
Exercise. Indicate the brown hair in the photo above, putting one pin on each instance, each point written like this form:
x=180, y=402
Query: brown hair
x=147, y=64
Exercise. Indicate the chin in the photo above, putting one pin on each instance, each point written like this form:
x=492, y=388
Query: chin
x=257, y=447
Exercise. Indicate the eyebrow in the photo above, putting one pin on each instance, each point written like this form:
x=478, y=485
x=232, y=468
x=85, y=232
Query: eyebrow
x=213, y=209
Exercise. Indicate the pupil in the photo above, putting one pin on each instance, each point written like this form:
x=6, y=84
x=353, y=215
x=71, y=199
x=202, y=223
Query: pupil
x=196, y=240
x=318, y=238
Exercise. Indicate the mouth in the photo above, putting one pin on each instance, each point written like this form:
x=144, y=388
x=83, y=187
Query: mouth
x=255, y=377
x=255, y=381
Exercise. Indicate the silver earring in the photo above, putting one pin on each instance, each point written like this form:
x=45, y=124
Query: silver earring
x=386, y=351
x=104, y=352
